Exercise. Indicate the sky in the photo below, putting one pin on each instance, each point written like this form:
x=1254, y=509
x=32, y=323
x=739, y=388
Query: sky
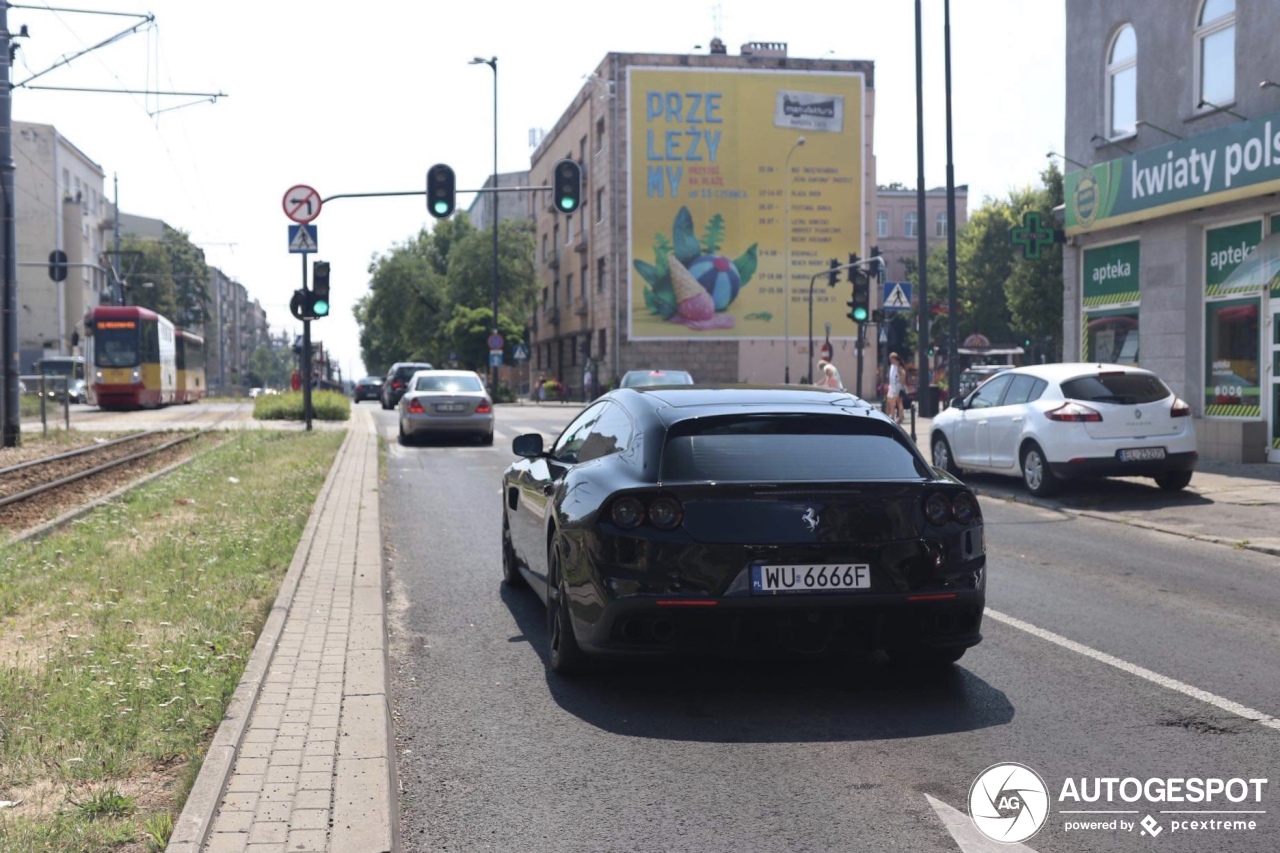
x=366, y=97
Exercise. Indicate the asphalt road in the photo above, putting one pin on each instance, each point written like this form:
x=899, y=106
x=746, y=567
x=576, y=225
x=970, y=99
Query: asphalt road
x=1108, y=652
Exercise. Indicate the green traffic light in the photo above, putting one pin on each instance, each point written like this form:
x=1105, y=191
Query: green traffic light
x=567, y=204
x=441, y=208
x=321, y=308
x=860, y=314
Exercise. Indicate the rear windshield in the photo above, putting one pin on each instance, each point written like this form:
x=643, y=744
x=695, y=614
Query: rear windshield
x=406, y=372
x=667, y=377
x=774, y=448
x=1126, y=389
x=452, y=384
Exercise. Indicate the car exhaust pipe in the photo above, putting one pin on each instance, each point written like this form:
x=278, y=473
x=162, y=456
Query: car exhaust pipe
x=663, y=630
x=632, y=632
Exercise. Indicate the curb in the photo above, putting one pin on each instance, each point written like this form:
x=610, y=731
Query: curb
x=192, y=826
x=1269, y=550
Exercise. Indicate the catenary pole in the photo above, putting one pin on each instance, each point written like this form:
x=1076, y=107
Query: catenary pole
x=922, y=344
x=12, y=413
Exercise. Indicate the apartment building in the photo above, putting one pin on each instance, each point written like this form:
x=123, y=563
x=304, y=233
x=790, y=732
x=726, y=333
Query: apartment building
x=1173, y=223
x=745, y=173
x=897, y=225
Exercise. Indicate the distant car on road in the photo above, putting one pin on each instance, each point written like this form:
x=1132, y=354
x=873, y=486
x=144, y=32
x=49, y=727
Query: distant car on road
x=972, y=377
x=446, y=402
x=742, y=521
x=1050, y=422
x=369, y=388
x=648, y=378
x=397, y=381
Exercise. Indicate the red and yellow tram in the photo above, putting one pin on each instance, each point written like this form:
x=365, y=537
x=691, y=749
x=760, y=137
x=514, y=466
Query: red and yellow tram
x=189, y=358
x=133, y=353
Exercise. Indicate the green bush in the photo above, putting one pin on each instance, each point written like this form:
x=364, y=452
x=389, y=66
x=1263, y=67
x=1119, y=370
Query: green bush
x=325, y=406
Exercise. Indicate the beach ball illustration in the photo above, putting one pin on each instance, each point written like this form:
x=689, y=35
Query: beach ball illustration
x=719, y=276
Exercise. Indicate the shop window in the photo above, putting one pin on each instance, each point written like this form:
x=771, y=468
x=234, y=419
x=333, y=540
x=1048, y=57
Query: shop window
x=1215, y=57
x=1122, y=84
x=1111, y=337
x=1232, y=359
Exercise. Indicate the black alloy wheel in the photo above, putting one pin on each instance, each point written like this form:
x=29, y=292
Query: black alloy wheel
x=567, y=658
x=510, y=573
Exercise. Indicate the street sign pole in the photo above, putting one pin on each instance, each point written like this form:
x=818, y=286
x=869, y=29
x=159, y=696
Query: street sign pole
x=306, y=357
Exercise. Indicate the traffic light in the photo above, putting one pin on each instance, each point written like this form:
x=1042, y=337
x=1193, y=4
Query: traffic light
x=442, y=190
x=860, y=305
x=298, y=304
x=319, y=302
x=567, y=186
x=833, y=277
x=877, y=316
x=58, y=265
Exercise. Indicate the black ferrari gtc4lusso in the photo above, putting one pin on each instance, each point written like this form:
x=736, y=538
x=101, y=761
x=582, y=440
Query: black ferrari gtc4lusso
x=742, y=520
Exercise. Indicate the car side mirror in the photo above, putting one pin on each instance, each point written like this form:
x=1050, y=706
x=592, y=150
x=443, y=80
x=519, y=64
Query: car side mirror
x=957, y=403
x=528, y=445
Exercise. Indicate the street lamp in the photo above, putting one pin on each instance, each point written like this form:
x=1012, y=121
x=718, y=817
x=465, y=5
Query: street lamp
x=786, y=268
x=493, y=63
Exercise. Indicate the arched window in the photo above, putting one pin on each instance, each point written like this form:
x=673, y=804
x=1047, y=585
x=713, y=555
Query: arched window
x=1122, y=84
x=1216, y=54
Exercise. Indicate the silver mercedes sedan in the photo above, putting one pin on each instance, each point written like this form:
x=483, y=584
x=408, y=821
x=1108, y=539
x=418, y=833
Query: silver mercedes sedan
x=443, y=402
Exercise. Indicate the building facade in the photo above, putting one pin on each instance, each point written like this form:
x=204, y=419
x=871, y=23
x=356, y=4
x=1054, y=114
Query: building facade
x=750, y=171
x=59, y=205
x=509, y=205
x=1173, y=223
x=897, y=225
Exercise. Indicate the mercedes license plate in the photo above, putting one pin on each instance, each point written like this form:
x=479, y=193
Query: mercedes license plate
x=450, y=407
x=826, y=578
x=1141, y=454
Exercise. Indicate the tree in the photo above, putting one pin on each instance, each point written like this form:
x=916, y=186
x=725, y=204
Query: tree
x=168, y=276
x=1034, y=286
x=418, y=286
x=269, y=368
x=467, y=330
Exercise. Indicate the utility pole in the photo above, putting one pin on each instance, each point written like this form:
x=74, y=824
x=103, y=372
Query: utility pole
x=922, y=249
x=953, y=363
x=118, y=288
x=12, y=414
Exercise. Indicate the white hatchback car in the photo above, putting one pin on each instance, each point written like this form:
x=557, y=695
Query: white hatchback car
x=1050, y=422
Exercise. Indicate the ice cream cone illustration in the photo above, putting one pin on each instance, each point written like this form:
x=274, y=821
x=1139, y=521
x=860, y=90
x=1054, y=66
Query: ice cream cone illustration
x=692, y=300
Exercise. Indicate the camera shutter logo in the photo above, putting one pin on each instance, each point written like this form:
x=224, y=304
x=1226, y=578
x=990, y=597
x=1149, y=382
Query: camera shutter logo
x=1009, y=802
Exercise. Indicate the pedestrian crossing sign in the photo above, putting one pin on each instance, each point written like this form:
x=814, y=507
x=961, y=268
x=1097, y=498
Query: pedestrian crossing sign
x=302, y=239
x=897, y=296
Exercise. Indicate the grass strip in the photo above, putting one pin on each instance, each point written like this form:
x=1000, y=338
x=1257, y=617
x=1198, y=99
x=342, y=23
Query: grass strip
x=123, y=637
x=325, y=406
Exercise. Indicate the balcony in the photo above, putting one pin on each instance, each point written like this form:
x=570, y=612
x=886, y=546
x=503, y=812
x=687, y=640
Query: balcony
x=580, y=245
x=554, y=261
x=553, y=315
x=581, y=308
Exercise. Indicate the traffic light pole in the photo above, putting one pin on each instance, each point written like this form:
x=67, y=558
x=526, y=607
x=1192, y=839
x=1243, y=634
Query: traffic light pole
x=832, y=271
x=305, y=372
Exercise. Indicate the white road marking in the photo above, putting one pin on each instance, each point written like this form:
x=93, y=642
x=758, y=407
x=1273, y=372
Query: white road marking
x=966, y=835
x=1141, y=672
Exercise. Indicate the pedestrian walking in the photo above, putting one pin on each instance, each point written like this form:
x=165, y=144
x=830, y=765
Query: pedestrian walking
x=588, y=384
x=897, y=388
x=827, y=376
x=540, y=390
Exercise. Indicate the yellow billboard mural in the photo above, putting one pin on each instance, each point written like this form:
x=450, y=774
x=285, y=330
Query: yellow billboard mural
x=711, y=198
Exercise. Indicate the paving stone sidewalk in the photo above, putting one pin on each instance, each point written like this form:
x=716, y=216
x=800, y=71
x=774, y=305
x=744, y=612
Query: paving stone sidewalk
x=304, y=760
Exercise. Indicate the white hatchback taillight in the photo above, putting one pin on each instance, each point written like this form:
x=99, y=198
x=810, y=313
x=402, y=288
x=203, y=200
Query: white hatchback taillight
x=1074, y=413
x=1180, y=408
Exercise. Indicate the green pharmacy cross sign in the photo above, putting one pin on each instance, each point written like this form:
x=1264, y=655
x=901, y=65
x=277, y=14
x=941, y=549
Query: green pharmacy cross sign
x=1032, y=236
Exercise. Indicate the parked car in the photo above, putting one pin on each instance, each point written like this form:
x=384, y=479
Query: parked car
x=1051, y=422
x=444, y=402
x=972, y=377
x=756, y=521
x=397, y=381
x=647, y=378
x=369, y=388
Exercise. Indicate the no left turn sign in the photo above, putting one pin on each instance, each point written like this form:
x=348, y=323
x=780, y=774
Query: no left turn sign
x=301, y=203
